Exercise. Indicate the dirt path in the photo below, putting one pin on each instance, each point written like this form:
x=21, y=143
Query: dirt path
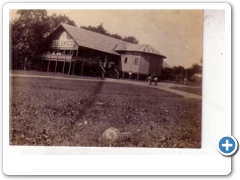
x=161, y=85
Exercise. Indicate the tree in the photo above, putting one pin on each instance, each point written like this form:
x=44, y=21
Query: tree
x=99, y=29
x=197, y=69
x=131, y=39
x=179, y=70
x=28, y=35
x=178, y=73
x=116, y=36
x=167, y=74
x=55, y=20
x=189, y=72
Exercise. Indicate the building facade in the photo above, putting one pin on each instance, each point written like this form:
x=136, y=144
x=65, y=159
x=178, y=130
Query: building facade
x=73, y=50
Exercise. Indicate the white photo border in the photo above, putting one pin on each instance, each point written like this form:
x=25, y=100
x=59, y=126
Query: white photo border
x=216, y=112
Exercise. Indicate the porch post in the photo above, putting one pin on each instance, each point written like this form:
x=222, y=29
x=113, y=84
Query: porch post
x=73, y=67
x=69, y=69
x=77, y=53
x=123, y=74
x=64, y=65
x=56, y=65
x=82, y=68
x=48, y=64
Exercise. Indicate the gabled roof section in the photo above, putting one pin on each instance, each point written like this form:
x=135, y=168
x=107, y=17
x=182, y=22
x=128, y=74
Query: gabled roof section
x=92, y=40
x=100, y=42
x=138, y=48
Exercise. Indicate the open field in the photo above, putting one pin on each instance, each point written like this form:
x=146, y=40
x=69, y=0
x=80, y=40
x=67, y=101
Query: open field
x=53, y=112
x=197, y=91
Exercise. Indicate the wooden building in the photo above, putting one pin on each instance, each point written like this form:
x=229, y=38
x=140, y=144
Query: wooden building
x=74, y=50
x=140, y=59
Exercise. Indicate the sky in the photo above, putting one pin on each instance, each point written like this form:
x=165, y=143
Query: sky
x=177, y=34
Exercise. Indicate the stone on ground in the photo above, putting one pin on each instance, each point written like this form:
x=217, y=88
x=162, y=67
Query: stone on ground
x=112, y=135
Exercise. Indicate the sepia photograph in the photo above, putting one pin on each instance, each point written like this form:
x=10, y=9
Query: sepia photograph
x=106, y=78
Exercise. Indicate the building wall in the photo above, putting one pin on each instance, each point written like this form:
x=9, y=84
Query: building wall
x=147, y=63
x=62, y=35
x=155, y=67
x=151, y=64
x=130, y=62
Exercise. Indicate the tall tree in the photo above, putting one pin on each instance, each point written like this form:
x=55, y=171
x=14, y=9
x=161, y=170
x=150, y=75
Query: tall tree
x=179, y=72
x=28, y=35
x=196, y=68
x=100, y=29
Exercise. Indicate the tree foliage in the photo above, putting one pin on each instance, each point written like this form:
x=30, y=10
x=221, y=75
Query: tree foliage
x=178, y=73
x=28, y=34
x=131, y=39
x=55, y=20
x=100, y=29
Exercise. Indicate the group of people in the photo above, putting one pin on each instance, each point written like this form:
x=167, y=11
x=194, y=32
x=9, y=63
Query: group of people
x=151, y=79
x=53, y=53
x=106, y=64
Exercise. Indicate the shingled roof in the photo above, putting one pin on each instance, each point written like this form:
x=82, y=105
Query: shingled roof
x=93, y=40
x=138, y=48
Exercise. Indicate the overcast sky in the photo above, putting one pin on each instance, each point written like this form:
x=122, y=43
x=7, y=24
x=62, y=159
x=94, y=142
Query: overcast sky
x=177, y=34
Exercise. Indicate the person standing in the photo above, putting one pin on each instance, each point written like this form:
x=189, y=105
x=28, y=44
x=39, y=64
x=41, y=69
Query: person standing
x=25, y=63
x=130, y=75
x=185, y=81
x=155, y=80
x=150, y=80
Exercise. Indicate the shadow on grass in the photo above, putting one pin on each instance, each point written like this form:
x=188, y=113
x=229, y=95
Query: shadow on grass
x=90, y=100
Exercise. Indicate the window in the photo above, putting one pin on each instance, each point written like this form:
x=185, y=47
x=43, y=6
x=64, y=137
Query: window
x=125, y=60
x=136, y=61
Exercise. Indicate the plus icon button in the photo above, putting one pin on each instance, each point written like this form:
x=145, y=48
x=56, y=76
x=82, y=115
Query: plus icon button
x=227, y=145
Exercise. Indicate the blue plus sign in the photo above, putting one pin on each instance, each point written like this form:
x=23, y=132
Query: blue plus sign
x=227, y=145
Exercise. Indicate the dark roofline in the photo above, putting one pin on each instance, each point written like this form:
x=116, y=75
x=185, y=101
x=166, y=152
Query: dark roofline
x=140, y=52
x=155, y=52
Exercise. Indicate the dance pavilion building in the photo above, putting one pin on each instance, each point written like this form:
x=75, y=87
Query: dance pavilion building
x=74, y=50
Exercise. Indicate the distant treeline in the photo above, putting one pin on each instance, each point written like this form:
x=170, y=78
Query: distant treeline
x=179, y=73
x=100, y=29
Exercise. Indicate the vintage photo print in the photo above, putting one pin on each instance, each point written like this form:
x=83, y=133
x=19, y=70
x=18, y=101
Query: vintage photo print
x=135, y=80
x=118, y=78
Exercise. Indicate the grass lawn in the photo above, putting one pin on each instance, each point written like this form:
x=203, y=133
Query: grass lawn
x=197, y=91
x=53, y=112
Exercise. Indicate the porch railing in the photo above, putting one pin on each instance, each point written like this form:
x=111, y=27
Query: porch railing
x=54, y=57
